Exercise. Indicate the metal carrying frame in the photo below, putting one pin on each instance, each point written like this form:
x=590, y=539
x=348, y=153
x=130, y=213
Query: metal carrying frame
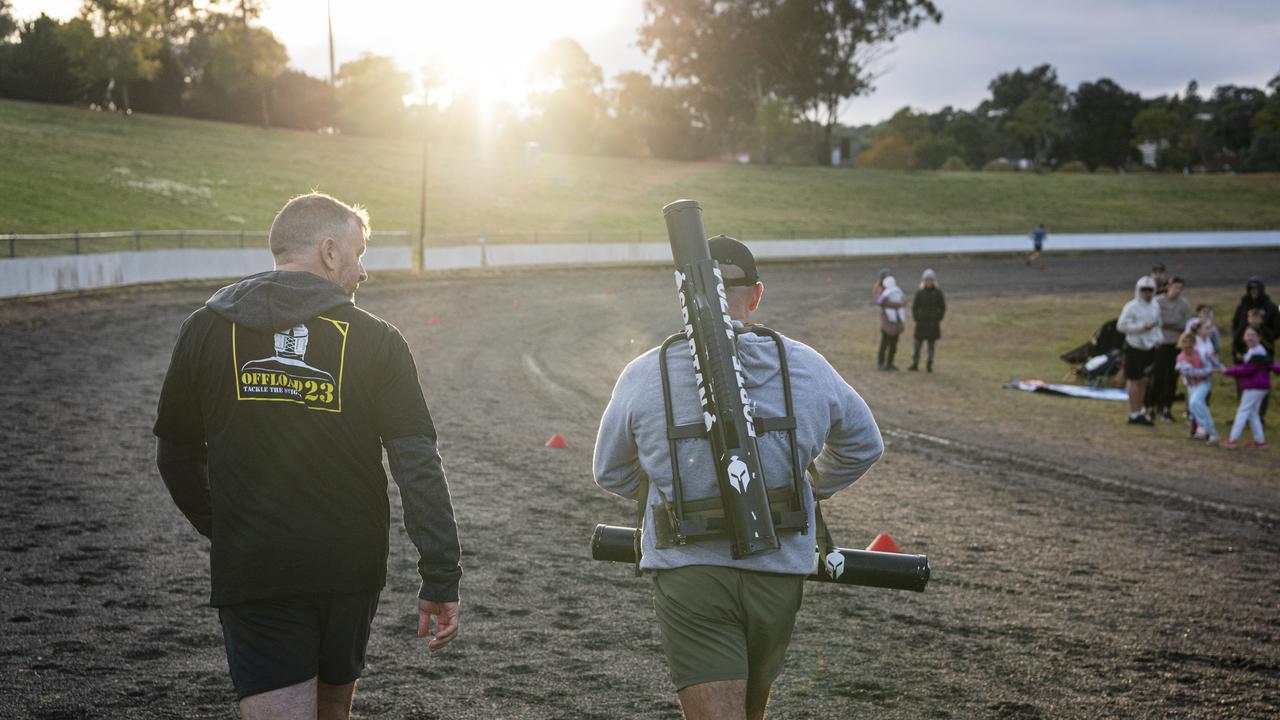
x=704, y=519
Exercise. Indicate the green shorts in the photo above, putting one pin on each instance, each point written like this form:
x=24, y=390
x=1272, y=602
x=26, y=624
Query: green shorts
x=719, y=623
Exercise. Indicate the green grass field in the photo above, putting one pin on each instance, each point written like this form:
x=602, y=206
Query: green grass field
x=64, y=169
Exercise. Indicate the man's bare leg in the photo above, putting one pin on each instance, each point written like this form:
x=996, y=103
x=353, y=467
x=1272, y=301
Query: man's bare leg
x=333, y=702
x=296, y=702
x=1137, y=394
x=722, y=700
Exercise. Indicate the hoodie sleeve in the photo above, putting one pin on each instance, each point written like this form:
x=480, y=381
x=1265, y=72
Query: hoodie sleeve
x=853, y=443
x=616, y=464
x=409, y=436
x=1129, y=321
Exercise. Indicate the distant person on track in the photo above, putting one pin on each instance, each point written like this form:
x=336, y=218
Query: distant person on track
x=725, y=624
x=927, y=310
x=1253, y=374
x=892, y=322
x=279, y=400
x=1140, y=323
x=1037, y=244
x=1174, y=315
x=1197, y=373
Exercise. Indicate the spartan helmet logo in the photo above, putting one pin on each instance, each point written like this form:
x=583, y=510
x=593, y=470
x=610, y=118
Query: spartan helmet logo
x=835, y=564
x=292, y=343
x=739, y=475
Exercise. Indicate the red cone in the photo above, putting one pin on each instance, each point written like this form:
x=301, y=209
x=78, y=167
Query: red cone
x=433, y=321
x=557, y=441
x=884, y=543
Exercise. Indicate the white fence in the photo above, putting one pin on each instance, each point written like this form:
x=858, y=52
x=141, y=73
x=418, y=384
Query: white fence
x=65, y=273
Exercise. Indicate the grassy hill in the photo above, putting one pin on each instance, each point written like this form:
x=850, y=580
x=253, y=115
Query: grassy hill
x=64, y=169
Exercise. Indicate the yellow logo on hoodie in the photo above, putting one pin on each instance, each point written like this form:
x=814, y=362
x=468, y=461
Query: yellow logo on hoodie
x=302, y=364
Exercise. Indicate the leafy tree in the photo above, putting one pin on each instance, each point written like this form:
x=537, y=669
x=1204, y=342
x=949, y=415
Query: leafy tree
x=1010, y=90
x=300, y=101
x=1164, y=127
x=656, y=119
x=129, y=34
x=1034, y=123
x=933, y=151
x=38, y=66
x=823, y=53
x=1233, y=109
x=572, y=108
x=735, y=54
x=1101, y=118
x=1030, y=106
x=370, y=94
x=245, y=61
x=8, y=25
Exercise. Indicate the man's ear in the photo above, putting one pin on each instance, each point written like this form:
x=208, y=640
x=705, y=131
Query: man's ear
x=329, y=253
x=756, y=293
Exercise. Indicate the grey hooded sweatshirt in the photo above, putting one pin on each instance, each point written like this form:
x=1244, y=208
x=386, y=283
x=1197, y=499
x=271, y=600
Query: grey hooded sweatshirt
x=834, y=430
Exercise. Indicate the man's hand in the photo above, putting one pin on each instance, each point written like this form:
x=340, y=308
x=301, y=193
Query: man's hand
x=446, y=621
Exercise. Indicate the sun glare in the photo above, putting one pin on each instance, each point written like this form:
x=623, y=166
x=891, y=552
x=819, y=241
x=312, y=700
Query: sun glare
x=485, y=48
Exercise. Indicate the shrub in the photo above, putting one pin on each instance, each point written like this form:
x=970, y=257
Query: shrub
x=1105, y=170
x=890, y=152
x=997, y=165
x=1074, y=166
x=932, y=151
x=955, y=164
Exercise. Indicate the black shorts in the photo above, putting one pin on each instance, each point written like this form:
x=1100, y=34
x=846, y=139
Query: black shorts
x=1137, y=362
x=272, y=644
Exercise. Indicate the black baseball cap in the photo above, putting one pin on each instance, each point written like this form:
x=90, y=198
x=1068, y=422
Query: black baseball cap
x=727, y=251
x=1158, y=267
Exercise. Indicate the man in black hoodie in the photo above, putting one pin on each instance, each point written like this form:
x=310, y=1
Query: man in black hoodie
x=279, y=400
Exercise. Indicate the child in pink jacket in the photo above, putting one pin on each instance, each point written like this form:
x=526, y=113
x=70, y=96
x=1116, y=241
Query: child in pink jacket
x=1254, y=377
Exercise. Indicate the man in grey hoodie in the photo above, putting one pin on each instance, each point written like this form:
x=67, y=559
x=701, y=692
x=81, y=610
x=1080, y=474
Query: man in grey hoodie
x=1140, y=322
x=278, y=403
x=726, y=623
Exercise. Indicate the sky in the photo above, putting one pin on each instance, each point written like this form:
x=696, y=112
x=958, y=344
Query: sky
x=1149, y=46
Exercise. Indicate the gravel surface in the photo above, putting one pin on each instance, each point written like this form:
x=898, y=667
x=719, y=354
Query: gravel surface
x=1057, y=590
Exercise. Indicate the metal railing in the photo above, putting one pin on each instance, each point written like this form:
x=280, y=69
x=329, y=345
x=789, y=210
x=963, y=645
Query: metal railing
x=31, y=245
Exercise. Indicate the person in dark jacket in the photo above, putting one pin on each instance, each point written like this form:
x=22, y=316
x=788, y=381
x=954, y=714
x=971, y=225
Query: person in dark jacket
x=280, y=399
x=927, y=309
x=1255, y=297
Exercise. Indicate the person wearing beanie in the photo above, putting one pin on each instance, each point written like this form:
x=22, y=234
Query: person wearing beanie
x=927, y=309
x=1140, y=323
x=892, y=322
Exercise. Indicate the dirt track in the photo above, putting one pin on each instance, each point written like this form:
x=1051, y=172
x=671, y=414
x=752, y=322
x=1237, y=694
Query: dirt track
x=1054, y=594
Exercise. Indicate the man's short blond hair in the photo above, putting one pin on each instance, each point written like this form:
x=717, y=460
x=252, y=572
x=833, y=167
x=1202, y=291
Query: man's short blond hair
x=305, y=221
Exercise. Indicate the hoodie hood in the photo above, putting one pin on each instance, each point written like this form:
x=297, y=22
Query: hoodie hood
x=1262, y=300
x=759, y=357
x=1146, y=281
x=276, y=300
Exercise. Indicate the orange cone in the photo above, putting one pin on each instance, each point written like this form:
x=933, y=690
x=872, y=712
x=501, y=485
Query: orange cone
x=433, y=321
x=884, y=543
x=557, y=441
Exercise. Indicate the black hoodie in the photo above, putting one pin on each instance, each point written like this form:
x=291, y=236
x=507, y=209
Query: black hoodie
x=1270, y=313
x=293, y=391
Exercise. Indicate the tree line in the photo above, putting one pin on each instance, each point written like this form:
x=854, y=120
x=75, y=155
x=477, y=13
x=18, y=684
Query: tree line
x=764, y=78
